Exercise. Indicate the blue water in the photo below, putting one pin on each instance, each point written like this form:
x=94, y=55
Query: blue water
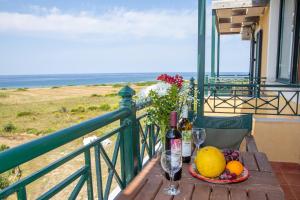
x=30, y=81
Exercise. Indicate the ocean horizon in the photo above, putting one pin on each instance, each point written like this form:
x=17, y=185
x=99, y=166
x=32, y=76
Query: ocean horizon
x=51, y=80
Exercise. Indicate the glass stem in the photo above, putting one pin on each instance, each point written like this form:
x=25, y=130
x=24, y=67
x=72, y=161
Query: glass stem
x=171, y=180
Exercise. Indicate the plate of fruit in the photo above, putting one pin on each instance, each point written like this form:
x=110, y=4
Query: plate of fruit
x=218, y=166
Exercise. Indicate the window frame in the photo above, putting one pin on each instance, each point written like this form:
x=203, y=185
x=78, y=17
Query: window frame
x=294, y=59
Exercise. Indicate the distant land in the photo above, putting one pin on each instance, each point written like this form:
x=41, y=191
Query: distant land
x=33, y=81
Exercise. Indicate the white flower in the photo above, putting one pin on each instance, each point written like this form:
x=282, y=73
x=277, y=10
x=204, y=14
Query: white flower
x=160, y=88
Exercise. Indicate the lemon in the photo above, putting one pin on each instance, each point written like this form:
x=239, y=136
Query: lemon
x=210, y=162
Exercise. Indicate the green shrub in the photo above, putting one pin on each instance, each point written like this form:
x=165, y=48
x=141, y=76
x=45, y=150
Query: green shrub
x=22, y=89
x=24, y=113
x=102, y=84
x=63, y=110
x=105, y=107
x=9, y=127
x=55, y=87
x=47, y=131
x=3, y=88
x=4, y=182
x=3, y=95
x=92, y=108
x=35, y=131
x=111, y=95
x=32, y=131
x=96, y=95
x=10, y=176
x=3, y=147
x=80, y=109
x=118, y=85
x=115, y=107
x=147, y=83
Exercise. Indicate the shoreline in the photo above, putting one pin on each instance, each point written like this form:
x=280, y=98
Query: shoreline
x=114, y=84
x=64, y=80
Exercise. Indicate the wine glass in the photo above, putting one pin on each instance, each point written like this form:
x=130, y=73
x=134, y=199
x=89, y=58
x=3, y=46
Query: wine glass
x=171, y=163
x=199, y=136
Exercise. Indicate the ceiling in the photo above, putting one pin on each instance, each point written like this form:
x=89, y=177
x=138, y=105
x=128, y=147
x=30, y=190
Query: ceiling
x=237, y=16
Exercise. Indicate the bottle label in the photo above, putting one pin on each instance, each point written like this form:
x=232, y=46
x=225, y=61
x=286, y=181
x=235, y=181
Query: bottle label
x=176, y=145
x=176, y=149
x=186, y=143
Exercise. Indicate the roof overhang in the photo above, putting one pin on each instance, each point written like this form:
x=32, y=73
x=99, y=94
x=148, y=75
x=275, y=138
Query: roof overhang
x=238, y=16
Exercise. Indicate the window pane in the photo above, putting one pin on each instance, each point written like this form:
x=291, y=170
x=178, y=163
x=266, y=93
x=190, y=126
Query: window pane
x=287, y=36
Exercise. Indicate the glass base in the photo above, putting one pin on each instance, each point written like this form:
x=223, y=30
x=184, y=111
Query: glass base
x=171, y=190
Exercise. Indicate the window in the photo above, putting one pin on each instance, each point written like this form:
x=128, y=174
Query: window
x=286, y=40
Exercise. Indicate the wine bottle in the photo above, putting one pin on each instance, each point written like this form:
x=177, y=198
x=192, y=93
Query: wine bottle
x=185, y=127
x=173, y=141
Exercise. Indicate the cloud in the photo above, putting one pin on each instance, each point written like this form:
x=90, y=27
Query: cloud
x=116, y=23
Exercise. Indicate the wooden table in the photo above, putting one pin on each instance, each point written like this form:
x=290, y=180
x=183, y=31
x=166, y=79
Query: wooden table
x=261, y=185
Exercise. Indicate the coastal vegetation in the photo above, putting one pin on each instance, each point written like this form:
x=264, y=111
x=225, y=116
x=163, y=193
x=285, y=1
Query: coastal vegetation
x=10, y=176
x=28, y=114
x=21, y=89
x=3, y=95
x=40, y=111
x=9, y=127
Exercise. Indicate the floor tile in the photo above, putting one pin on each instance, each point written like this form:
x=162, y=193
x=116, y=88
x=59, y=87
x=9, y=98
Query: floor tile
x=281, y=179
x=276, y=166
x=288, y=194
x=292, y=179
x=296, y=191
x=288, y=175
x=290, y=168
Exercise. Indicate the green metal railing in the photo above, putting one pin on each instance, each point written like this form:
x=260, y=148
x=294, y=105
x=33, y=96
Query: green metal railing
x=134, y=139
x=275, y=99
x=265, y=99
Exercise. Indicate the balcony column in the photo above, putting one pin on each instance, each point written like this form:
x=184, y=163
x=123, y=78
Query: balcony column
x=213, y=44
x=201, y=63
x=218, y=56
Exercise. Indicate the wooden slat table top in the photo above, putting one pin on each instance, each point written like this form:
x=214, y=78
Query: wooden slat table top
x=261, y=185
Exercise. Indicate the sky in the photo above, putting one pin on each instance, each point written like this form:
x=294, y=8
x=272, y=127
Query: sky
x=108, y=36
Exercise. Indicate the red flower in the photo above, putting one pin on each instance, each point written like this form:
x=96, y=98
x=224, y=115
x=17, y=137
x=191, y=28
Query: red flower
x=173, y=80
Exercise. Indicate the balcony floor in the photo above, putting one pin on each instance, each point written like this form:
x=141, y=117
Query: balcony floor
x=289, y=177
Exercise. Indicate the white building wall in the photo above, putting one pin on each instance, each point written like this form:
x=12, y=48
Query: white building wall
x=273, y=40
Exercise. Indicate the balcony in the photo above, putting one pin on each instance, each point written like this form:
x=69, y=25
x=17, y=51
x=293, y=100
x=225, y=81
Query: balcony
x=231, y=97
x=94, y=171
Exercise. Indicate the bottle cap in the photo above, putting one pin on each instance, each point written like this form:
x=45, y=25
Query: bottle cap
x=173, y=119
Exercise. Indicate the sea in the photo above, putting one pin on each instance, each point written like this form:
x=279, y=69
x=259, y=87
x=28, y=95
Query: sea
x=51, y=80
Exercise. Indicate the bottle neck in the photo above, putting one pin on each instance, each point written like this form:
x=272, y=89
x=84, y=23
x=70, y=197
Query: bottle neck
x=173, y=119
x=185, y=112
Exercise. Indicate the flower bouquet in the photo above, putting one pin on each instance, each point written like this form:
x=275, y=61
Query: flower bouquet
x=168, y=95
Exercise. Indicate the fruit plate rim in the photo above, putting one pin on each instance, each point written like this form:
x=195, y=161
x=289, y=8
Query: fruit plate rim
x=195, y=173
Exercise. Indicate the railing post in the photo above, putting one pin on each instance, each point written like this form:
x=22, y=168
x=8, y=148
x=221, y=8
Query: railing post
x=87, y=159
x=151, y=140
x=130, y=158
x=192, y=99
x=207, y=81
